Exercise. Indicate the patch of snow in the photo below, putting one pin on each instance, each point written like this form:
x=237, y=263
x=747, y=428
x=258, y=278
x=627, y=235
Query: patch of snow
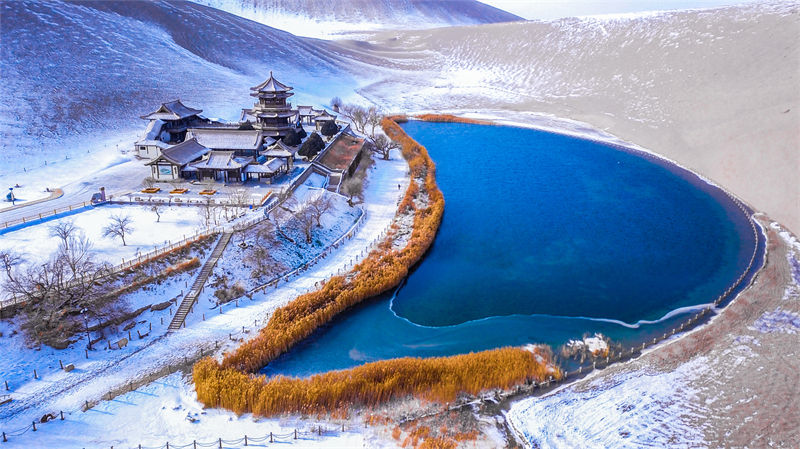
x=636, y=409
x=778, y=320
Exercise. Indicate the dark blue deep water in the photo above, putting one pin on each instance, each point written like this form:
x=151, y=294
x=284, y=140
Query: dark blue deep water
x=545, y=238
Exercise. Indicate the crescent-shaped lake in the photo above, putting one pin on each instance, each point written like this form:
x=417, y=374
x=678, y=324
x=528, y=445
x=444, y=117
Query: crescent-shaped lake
x=545, y=238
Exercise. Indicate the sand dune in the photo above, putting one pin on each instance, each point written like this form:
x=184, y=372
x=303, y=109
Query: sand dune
x=320, y=18
x=716, y=90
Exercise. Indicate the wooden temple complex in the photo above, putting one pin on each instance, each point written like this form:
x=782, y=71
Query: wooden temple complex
x=180, y=144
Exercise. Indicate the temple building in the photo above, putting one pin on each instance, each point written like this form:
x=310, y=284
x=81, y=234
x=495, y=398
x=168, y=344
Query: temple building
x=273, y=115
x=182, y=144
x=339, y=160
x=321, y=118
x=167, y=126
x=243, y=142
x=173, y=162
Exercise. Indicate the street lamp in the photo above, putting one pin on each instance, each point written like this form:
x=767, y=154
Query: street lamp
x=86, y=323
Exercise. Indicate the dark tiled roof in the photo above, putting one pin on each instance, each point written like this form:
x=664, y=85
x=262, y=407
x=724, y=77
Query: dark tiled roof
x=182, y=153
x=271, y=85
x=223, y=160
x=173, y=110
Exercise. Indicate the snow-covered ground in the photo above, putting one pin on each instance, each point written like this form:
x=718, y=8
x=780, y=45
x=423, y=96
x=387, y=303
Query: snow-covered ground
x=36, y=243
x=631, y=410
x=108, y=370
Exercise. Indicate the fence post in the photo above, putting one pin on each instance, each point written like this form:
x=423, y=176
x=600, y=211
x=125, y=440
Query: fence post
x=7, y=389
x=34, y=426
x=220, y=443
x=35, y=376
x=62, y=415
x=245, y=440
x=270, y=437
x=5, y=440
x=295, y=432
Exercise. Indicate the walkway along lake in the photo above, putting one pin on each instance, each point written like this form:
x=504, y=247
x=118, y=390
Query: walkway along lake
x=545, y=238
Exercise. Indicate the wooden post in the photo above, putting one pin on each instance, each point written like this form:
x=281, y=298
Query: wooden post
x=61, y=363
x=295, y=433
x=319, y=430
x=220, y=443
x=34, y=426
x=35, y=376
x=129, y=336
x=5, y=440
x=270, y=437
x=245, y=440
x=62, y=415
x=151, y=326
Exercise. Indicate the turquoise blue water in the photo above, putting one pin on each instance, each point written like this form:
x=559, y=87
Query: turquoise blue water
x=545, y=238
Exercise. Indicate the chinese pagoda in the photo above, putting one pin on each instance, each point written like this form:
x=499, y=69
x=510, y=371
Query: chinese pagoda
x=272, y=113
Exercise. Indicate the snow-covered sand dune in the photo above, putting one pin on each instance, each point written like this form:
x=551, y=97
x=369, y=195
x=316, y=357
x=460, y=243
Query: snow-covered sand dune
x=716, y=90
x=331, y=19
x=73, y=72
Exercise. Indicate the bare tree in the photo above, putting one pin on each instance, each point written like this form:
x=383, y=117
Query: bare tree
x=157, y=209
x=373, y=119
x=120, y=226
x=383, y=146
x=260, y=256
x=357, y=115
x=207, y=211
x=319, y=206
x=281, y=216
x=306, y=221
x=63, y=230
x=352, y=187
x=239, y=197
x=336, y=103
x=61, y=294
x=75, y=253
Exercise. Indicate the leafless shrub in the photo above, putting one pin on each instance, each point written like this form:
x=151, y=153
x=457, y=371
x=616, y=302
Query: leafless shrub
x=119, y=226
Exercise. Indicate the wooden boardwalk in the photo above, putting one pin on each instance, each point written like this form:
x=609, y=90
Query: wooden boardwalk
x=199, y=282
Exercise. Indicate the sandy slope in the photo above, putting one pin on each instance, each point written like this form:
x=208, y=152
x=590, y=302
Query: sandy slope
x=716, y=90
x=321, y=18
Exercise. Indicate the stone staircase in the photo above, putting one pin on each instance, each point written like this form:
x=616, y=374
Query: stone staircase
x=199, y=282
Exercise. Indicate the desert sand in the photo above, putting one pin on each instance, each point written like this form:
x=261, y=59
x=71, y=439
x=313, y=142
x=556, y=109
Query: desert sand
x=717, y=91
